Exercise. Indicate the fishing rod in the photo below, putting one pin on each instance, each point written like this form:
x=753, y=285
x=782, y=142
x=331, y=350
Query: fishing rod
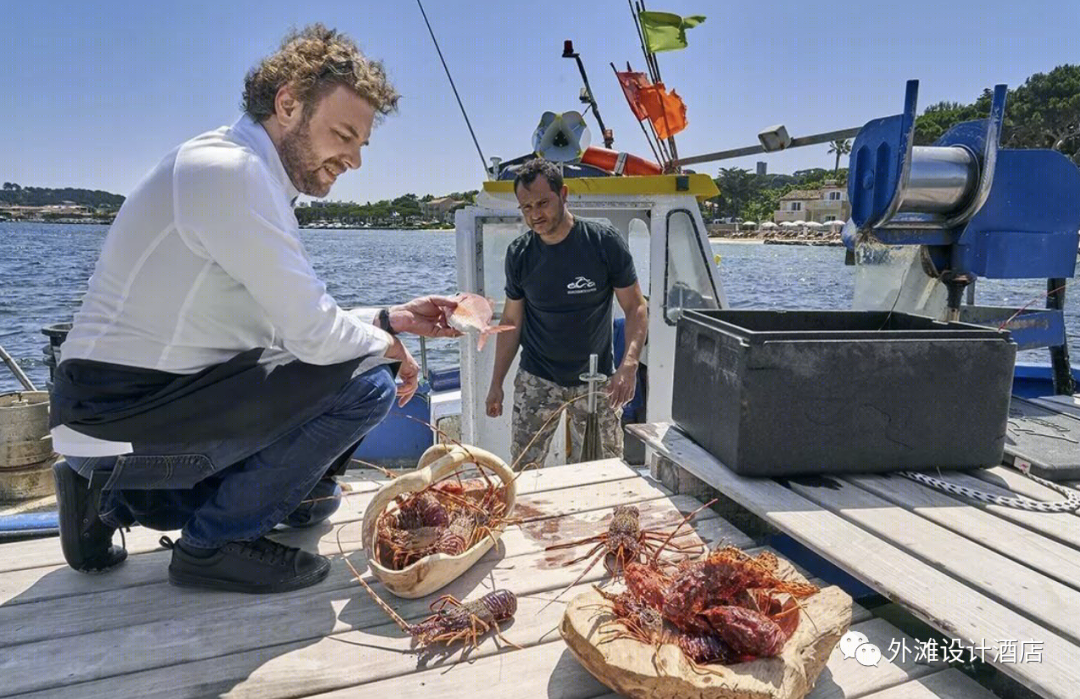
x=472, y=133
x=670, y=152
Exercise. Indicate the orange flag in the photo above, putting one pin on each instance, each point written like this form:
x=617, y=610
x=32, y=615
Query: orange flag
x=667, y=112
x=632, y=84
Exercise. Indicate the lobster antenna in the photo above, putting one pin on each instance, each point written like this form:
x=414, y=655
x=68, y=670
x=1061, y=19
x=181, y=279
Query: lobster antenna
x=405, y=626
x=687, y=518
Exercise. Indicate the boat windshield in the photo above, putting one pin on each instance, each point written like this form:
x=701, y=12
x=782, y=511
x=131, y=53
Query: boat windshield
x=687, y=283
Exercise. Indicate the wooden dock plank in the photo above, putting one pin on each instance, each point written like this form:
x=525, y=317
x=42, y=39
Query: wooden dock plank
x=1017, y=482
x=1022, y=545
x=42, y=552
x=30, y=554
x=52, y=582
x=1068, y=405
x=277, y=650
x=1050, y=603
x=563, y=513
x=224, y=623
x=556, y=670
x=1060, y=526
x=950, y=684
x=930, y=594
x=327, y=664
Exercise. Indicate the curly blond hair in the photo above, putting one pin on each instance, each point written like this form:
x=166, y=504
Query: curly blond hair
x=314, y=60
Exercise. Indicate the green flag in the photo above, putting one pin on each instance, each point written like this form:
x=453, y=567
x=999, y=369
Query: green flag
x=665, y=31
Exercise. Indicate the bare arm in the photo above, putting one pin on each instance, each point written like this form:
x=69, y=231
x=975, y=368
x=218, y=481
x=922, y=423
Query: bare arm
x=506, y=347
x=636, y=311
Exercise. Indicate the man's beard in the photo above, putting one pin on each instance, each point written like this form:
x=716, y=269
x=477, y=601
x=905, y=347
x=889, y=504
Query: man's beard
x=300, y=162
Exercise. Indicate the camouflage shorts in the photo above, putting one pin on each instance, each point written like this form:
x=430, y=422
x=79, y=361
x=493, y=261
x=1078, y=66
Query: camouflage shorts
x=535, y=402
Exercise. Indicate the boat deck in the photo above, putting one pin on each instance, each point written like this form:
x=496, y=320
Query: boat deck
x=1005, y=579
x=128, y=633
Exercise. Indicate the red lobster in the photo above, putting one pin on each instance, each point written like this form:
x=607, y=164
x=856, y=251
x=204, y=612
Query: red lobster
x=718, y=610
x=448, y=517
x=625, y=542
x=453, y=620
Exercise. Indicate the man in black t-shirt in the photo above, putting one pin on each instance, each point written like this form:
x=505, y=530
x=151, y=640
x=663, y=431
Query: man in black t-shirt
x=560, y=279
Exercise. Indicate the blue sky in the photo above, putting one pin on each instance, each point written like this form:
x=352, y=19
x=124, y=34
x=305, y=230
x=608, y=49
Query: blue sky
x=94, y=94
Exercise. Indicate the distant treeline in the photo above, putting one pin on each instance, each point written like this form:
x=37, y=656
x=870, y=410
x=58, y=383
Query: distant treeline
x=14, y=195
x=751, y=197
x=1044, y=112
x=404, y=209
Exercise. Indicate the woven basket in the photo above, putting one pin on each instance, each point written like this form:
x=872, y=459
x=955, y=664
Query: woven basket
x=433, y=572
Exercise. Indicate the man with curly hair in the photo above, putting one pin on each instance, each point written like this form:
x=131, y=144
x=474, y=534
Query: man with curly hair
x=210, y=383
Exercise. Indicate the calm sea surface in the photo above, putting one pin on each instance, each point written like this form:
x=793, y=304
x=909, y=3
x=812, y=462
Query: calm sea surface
x=44, y=269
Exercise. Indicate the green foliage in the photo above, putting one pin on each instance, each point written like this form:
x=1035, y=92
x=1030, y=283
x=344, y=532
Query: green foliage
x=841, y=148
x=939, y=118
x=1044, y=112
x=14, y=195
x=751, y=197
x=401, y=212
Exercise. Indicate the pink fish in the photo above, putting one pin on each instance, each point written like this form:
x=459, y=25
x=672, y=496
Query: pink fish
x=473, y=315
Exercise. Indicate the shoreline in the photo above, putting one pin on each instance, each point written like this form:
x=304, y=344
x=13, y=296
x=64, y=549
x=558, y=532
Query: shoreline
x=830, y=242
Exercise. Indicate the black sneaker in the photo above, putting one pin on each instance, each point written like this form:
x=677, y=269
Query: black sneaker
x=259, y=566
x=84, y=538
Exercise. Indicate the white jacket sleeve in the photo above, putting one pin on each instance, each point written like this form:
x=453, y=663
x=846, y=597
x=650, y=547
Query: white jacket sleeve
x=251, y=232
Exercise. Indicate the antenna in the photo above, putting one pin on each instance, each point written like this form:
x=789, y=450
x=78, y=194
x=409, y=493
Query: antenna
x=483, y=160
x=587, y=96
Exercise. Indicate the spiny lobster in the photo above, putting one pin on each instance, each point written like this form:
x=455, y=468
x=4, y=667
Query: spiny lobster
x=722, y=609
x=447, y=517
x=453, y=620
x=625, y=542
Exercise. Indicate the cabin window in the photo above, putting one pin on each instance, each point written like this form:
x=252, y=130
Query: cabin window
x=638, y=241
x=496, y=234
x=687, y=282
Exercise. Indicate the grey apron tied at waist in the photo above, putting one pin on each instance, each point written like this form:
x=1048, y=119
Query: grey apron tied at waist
x=249, y=395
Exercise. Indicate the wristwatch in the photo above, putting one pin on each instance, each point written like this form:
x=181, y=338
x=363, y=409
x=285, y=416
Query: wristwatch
x=383, y=321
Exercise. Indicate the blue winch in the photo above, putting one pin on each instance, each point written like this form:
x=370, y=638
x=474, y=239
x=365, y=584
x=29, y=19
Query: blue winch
x=979, y=210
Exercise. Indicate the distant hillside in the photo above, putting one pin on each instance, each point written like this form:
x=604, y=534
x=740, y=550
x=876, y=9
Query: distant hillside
x=13, y=195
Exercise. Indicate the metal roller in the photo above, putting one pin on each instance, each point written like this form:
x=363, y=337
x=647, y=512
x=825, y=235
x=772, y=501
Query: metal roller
x=941, y=180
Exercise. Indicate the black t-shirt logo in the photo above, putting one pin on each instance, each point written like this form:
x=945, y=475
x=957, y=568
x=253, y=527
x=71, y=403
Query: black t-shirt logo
x=581, y=285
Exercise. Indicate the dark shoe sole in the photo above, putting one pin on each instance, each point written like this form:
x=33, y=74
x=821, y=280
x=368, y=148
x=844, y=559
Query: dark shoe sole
x=68, y=487
x=181, y=579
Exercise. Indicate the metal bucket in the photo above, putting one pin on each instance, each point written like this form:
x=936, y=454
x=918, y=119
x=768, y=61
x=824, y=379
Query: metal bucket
x=26, y=453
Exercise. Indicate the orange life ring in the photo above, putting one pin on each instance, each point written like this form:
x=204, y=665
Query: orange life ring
x=619, y=163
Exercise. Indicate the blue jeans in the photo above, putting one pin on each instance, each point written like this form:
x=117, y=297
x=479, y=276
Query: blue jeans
x=237, y=490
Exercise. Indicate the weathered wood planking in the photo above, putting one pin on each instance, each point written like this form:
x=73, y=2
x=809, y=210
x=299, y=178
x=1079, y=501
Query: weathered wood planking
x=36, y=553
x=218, y=623
x=94, y=610
x=1049, y=603
x=26, y=585
x=555, y=672
x=1029, y=548
x=954, y=608
x=564, y=514
x=950, y=684
x=1060, y=526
